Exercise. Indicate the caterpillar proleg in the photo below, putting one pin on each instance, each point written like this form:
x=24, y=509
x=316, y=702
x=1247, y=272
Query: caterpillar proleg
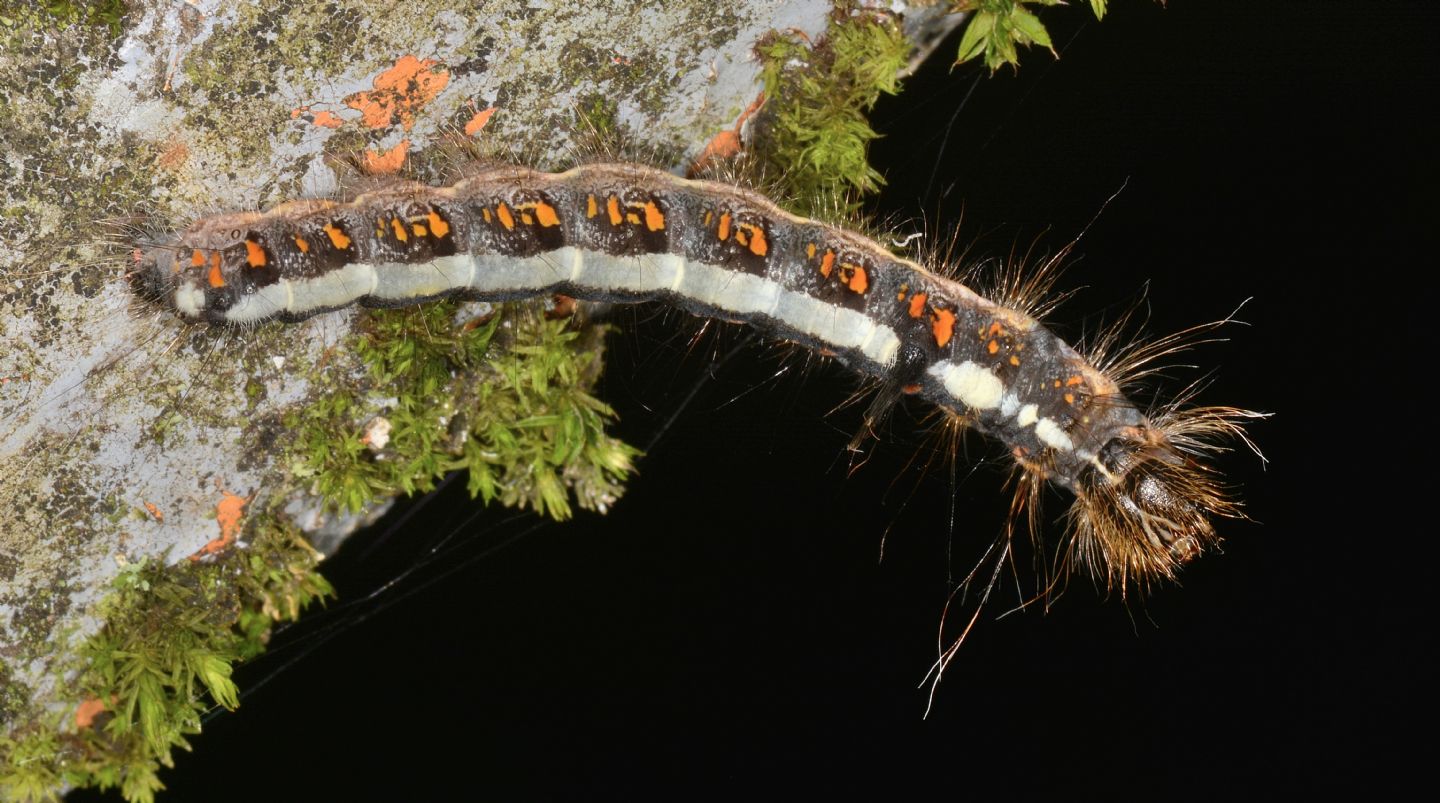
x=1145, y=500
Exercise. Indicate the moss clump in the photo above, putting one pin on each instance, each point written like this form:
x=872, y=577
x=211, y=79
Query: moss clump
x=170, y=639
x=818, y=96
x=507, y=399
x=997, y=28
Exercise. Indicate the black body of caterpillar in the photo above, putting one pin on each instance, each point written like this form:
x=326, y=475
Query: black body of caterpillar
x=619, y=232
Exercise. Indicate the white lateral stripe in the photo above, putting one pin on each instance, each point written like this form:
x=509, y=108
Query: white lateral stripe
x=1052, y=435
x=974, y=385
x=709, y=285
x=1029, y=414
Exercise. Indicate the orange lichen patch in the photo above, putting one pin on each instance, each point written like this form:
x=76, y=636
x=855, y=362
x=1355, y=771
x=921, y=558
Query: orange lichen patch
x=154, y=511
x=216, y=278
x=399, y=229
x=254, y=254
x=723, y=230
x=337, y=236
x=324, y=119
x=612, y=208
x=174, y=156
x=917, y=305
x=546, y=214
x=85, y=714
x=726, y=143
x=229, y=512
x=503, y=213
x=591, y=207
x=942, y=325
x=400, y=92
x=303, y=244
x=390, y=161
x=197, y=258
x=438, y=225
x=827, y=263
x=759, y=246
x=859, y=280
x=477, y=121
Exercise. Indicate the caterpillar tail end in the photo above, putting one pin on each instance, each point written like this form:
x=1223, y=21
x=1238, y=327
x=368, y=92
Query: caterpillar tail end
x=1148, y=503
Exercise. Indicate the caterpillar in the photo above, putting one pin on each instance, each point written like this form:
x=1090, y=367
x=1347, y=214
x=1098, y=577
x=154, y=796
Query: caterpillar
x=1145, y=498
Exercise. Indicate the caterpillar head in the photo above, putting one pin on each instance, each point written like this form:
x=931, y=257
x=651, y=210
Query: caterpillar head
x=1145, y=505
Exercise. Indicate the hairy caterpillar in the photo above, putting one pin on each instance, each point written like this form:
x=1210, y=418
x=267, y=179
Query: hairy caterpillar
x=1144, y=499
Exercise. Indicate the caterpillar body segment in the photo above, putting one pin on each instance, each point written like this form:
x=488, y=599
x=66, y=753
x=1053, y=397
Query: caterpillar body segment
x=623, y=233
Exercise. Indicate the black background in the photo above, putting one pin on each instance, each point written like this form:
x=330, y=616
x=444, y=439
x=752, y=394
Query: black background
x=729, y=630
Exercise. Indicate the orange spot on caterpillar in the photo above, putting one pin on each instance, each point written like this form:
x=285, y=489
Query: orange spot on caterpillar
x=917, y=305
x=910, y=390
x=654, y=218
x=337, y=236
x=759, y=246
x=709, y=216
x=827, y=263
x=216, y=278
x=741, y=237
x=506, y=219
x=993, y=346
x=485, y=213
x=419, y=229
x=1014, y=360
x=197, y=258
x=995, y=330
x=1069, y=398
x=591, y=209
x=859, y=281
x=809, y=250
x=723, y=231
x=1074, y=380
x=438, y=225
x=254, y=254
x=612, y=208
x=943, y=326
x=303, y=244
x=388, y=162
x=477, y=121
x=546, y=214
x=399, y=228
x=400, y=92
x=527, y=218
x=632, y=218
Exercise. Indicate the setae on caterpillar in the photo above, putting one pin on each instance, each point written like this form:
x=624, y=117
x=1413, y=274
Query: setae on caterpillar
x=1144, y=497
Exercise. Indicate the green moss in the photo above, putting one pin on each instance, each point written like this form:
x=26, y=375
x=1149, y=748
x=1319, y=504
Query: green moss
x=817, y=134
x=170, y=639
x=507, y=399
x=59, y=13
x=998, y=28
